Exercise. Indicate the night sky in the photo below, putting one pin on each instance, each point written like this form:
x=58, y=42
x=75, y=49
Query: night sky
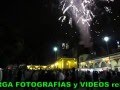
x=30, y=29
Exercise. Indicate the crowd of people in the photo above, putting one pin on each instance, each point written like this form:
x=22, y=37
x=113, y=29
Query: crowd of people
x=72, y=75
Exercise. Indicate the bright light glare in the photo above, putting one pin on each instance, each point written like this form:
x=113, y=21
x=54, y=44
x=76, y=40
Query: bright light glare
x=52, y=66
x=55, y=49
x=106, y=39
x=56, y=64
x=28, y=66
x=118, y=42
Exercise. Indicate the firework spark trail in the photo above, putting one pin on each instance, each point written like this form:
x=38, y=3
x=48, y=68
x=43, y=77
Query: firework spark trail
x=62, y=18
x=70, y=21
x=82, y=12
x=108, y=9
x=108, y=0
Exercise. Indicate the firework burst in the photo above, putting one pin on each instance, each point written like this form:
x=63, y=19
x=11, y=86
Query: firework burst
x=82, y=12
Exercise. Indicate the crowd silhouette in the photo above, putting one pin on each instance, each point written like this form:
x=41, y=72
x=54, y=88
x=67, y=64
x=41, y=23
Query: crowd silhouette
x=72, y=75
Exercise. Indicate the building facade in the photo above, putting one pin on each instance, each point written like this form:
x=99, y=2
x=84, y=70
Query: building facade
x=112, y=61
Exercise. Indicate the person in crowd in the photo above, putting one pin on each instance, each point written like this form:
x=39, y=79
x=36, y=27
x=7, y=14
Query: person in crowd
x=95, y=76
x=88, y=76
x=10, y=76
x=1, y=74
x=5, y=76
x=19, y=75
x=73, y=75
x=61, y=76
